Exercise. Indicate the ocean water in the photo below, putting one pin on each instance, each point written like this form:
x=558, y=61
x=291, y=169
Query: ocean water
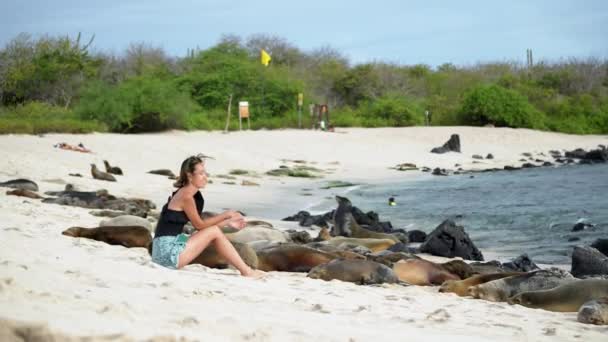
x=506, y=214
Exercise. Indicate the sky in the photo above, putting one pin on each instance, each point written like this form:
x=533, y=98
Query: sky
x=406, y=32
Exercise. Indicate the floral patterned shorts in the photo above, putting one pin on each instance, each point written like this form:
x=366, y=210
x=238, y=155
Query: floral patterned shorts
x=166, y=249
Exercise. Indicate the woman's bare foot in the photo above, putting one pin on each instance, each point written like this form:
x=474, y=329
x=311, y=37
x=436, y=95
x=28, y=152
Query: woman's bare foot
x=255, y=274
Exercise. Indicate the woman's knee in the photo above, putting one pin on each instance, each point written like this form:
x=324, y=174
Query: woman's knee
x=214, y=231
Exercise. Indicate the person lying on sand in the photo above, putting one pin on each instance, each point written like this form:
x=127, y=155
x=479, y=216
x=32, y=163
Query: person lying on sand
x=66, y=146
x=171, y=248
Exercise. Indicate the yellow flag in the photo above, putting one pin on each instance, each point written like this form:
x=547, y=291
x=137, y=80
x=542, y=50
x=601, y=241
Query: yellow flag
x=264, y=57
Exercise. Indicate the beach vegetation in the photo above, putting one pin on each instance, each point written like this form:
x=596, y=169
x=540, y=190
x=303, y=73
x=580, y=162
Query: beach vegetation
x=58, y=84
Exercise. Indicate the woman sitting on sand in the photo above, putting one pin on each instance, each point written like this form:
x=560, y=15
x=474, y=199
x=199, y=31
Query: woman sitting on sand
x=172, y=248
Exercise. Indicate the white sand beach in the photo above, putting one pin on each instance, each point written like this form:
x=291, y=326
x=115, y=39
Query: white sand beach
x=75, y=287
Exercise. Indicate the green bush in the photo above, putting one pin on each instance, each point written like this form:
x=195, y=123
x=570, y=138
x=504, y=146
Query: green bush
x=493, y=104
x=392, y=110
x=140, y=104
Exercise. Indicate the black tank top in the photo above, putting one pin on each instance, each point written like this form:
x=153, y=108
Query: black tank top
x=171, y=222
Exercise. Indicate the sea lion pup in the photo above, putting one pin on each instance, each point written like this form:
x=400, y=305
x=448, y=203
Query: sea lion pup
x=292, y=258
x=500, y=290
x=594, y=312
x=355, y=271
x=461, y=287
x=210, y=257
x=128, y=236
x=101, y=175
x=24, y=193
x=323, y=235
x=346, y=225
x=564, y=298
x=422, y=272
x=375, y=245
x=20, y=183
x=112, y=169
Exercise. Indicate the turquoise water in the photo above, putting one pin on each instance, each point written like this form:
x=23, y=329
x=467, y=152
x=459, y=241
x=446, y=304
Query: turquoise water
x=505, y=213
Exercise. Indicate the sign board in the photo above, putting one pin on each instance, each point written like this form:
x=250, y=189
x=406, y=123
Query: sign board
x=244, y=109
x=300, y=99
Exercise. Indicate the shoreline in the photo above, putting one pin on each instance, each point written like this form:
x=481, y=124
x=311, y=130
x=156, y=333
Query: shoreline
x=56, y=280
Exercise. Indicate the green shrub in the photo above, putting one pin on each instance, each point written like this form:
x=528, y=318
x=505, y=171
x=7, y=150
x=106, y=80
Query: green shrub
x=493, y=104
x=140, y=104
x=392, y=110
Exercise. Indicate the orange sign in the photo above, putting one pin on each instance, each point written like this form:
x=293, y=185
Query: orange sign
x=244, y=109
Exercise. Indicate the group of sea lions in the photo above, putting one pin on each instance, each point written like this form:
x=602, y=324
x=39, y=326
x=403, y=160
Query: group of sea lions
x=362, y=257
x=349, y=252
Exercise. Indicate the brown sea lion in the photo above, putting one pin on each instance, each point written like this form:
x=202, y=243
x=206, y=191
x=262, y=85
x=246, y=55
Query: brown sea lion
x=388, y=258
x=210, y=257
x=356, y=271
x=459, y=268
x=422, y=272
x=112, y=169
x=502, y=289
x=346, y=225
x=374, y=245
x=594, y=312
x=568, y=297
x=461, y=287
x=128, y=236
x=97, y=174
x=24, y=193
x=292, y=258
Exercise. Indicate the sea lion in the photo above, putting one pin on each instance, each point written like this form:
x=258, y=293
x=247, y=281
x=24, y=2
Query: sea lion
x=502, y=289
x=565, y=298
x=458, y=267
x=323, y=235
x=101, y=175
x=292, y=258
x=258, y=223
x=20, y=183
x=344, y=254
x=24, y=193
x=461, y=287
x=489, y=267
x=127, y=220
x=163, y=172
x=375, y=245
x=251, y=234
x=128, y=236
x=112, y=169
x=388, y=258
x=210, y=257
x=422, y=272
x=356, y=271
x=594, y=312
x=346, y=225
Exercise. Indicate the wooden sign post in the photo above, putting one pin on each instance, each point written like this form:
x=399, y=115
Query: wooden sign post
x=244, y=113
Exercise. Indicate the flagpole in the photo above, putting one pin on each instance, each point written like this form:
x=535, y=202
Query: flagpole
x=265, y=59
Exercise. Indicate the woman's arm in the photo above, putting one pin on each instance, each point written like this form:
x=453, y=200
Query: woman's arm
x=189, y=207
